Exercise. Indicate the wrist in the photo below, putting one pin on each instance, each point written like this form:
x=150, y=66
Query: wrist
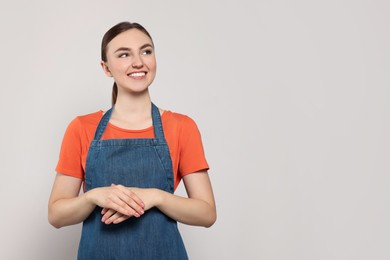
x=88, y=197
x=159, y=194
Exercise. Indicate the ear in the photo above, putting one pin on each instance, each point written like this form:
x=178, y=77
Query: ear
x=106, y=69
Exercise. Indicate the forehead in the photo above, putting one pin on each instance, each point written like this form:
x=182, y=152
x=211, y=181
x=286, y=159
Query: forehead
x=132, y=39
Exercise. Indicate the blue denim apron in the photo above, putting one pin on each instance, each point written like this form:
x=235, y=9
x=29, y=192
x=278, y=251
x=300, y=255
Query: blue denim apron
x=142, y=163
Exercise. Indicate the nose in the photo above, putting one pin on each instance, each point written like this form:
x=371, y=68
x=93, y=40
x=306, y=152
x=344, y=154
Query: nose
x=137, y=62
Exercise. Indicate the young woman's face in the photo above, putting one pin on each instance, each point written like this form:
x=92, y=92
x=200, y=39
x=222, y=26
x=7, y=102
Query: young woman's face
x=131, y=61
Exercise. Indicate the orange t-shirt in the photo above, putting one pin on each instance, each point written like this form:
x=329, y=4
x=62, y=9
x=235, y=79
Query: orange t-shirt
x=181, y=133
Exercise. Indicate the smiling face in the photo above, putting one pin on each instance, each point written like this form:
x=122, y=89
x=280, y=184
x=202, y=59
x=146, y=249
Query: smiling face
x=131, y=61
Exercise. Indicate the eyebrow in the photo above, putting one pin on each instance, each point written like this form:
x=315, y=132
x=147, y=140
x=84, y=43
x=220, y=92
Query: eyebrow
x=128, y=49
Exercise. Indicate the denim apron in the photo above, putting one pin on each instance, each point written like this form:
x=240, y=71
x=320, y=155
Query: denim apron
x=142, y=163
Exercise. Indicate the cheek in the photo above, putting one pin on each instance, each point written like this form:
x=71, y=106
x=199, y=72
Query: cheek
x=117, y=67
x=151, y=63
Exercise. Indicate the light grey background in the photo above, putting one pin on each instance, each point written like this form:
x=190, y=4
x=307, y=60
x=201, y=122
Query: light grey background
x=291, y=98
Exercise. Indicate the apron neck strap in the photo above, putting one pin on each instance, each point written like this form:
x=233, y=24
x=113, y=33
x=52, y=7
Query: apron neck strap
x=157, y=124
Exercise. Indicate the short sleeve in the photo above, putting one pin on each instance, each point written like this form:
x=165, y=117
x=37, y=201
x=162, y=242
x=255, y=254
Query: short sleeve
x=192, y=157
x=70, y=159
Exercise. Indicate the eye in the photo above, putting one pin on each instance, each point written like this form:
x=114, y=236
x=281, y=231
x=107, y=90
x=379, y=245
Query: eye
x=123, y=55
x=147, y=52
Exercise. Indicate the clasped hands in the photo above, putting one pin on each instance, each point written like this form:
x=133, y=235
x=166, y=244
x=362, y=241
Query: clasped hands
x=120, y=203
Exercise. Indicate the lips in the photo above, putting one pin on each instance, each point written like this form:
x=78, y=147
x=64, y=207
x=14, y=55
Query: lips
x=137, y=74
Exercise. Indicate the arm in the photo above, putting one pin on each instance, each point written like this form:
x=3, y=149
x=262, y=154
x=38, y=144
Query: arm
x=198, y=209
x=66, y=207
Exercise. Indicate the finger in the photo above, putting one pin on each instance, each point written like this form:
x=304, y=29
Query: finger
x=117, y=204
x=118, y=201
x=135, y=197
x=104, y=210
x=136, y=207
x=120, y=219
x=112, y=218
x=108, y=214
x=116, y=218
x=131, y=199
x=131, y=194
x=112, y=214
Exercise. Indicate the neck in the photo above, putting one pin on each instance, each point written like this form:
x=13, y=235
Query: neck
x=133, y=104
x=132, y=111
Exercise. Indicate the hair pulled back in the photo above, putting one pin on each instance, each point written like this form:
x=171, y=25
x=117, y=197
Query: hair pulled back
x=111, y=34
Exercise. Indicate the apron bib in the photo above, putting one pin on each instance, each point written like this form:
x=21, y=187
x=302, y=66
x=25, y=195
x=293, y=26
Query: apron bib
x=142, y=163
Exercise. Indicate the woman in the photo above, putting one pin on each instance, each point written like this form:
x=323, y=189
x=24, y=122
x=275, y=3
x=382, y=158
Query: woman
x=130, y=159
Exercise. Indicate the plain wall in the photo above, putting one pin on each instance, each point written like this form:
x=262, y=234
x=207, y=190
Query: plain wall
x=291, y=97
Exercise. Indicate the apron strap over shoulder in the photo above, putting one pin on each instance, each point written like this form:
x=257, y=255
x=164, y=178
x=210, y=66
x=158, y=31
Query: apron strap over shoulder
x=157, y=124
x=103, y=124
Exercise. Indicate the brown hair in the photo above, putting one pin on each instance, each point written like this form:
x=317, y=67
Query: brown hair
x=111, y=34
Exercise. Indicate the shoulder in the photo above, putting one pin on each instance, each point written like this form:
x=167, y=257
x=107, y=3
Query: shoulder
x=181, y=123
x=85, y=122
x=91, y=118
x=177, y=118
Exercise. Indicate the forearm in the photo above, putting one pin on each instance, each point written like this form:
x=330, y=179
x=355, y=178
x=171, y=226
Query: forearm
x=188, y=211
x=70, y=211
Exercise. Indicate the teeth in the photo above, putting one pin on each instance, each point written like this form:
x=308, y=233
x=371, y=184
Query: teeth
x=137, y=74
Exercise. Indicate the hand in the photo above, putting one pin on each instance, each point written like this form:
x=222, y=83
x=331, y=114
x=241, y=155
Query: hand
x=117, y=198
x=148, y=196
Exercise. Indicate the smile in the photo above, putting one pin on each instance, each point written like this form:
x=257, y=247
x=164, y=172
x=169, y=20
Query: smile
x=137, y=75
